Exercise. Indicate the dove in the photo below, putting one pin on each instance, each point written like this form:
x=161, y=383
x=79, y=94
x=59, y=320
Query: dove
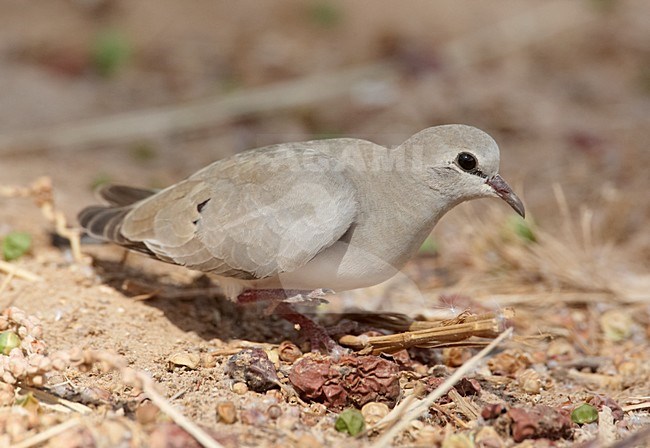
x=292, y=222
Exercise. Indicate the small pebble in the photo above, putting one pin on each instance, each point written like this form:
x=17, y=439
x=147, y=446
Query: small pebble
x=226, y=412
x=373, y=412
x=289, y=352
x=239, y=388
x=253, y=367
x=189, y=360
x=530, y=381
x=274, y=412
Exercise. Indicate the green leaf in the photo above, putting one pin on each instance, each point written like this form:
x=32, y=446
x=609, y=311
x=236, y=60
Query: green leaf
x=15, y=245
x=8, y=341
x=585, y=413
x=350, y=421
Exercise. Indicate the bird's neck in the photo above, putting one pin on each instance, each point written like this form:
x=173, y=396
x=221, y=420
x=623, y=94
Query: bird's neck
x=400, y=208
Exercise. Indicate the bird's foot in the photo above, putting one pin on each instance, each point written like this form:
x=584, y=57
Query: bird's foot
x=281, y=301
x=315, y=297
x=316, y=334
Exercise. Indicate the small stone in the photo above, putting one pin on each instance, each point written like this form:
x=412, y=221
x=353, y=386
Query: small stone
x=530, y=381
x=253, y=367
x=189, y=360
x=373, y=412
x=239, y=388
x=493, y=410
x=226, y=412
x=274, y=412
x=467, y=387
x=351, y=380
x=539, y=422
x=289, y=352
x=317, y=409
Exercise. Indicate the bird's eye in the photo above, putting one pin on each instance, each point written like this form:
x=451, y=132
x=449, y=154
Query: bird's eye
x=466, y=161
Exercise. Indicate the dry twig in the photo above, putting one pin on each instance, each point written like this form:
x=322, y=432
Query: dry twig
x=418, y=409
x=15, y=271
x=461, y=328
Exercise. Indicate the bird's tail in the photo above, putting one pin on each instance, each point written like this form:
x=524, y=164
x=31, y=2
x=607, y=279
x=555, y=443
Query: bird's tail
x=105, y=221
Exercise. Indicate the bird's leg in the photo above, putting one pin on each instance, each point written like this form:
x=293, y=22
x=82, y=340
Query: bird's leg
x=316, y=333
x=280, y=300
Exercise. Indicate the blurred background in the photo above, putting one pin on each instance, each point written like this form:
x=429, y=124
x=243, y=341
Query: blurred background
x=145, y=93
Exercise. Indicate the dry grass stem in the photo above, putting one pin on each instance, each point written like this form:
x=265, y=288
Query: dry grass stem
x=464, y=406
x=636, y=407
x=418, y=409
x=461, y=328
x=14, y=271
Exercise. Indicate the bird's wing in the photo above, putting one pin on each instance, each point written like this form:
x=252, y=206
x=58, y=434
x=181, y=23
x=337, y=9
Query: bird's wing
x=251, y=216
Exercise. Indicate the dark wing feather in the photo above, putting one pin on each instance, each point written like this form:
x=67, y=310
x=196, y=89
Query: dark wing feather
x=120, y=195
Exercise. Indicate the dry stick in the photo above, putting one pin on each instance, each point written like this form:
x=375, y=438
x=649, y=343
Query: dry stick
x=487, y=325
x=48, y=433
x=387, y=439
x=636, y=407
x=15, y=271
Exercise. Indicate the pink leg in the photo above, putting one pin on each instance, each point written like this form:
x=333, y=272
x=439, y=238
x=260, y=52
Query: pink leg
x=316, y=333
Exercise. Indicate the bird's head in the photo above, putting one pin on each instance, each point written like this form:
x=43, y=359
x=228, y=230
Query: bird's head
x=461, y=163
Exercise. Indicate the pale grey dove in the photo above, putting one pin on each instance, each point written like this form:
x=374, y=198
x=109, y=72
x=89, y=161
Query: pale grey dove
x=283, y=220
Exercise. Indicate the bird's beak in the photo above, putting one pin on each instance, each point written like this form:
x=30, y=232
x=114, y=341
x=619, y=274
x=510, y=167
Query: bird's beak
x=503, y=190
